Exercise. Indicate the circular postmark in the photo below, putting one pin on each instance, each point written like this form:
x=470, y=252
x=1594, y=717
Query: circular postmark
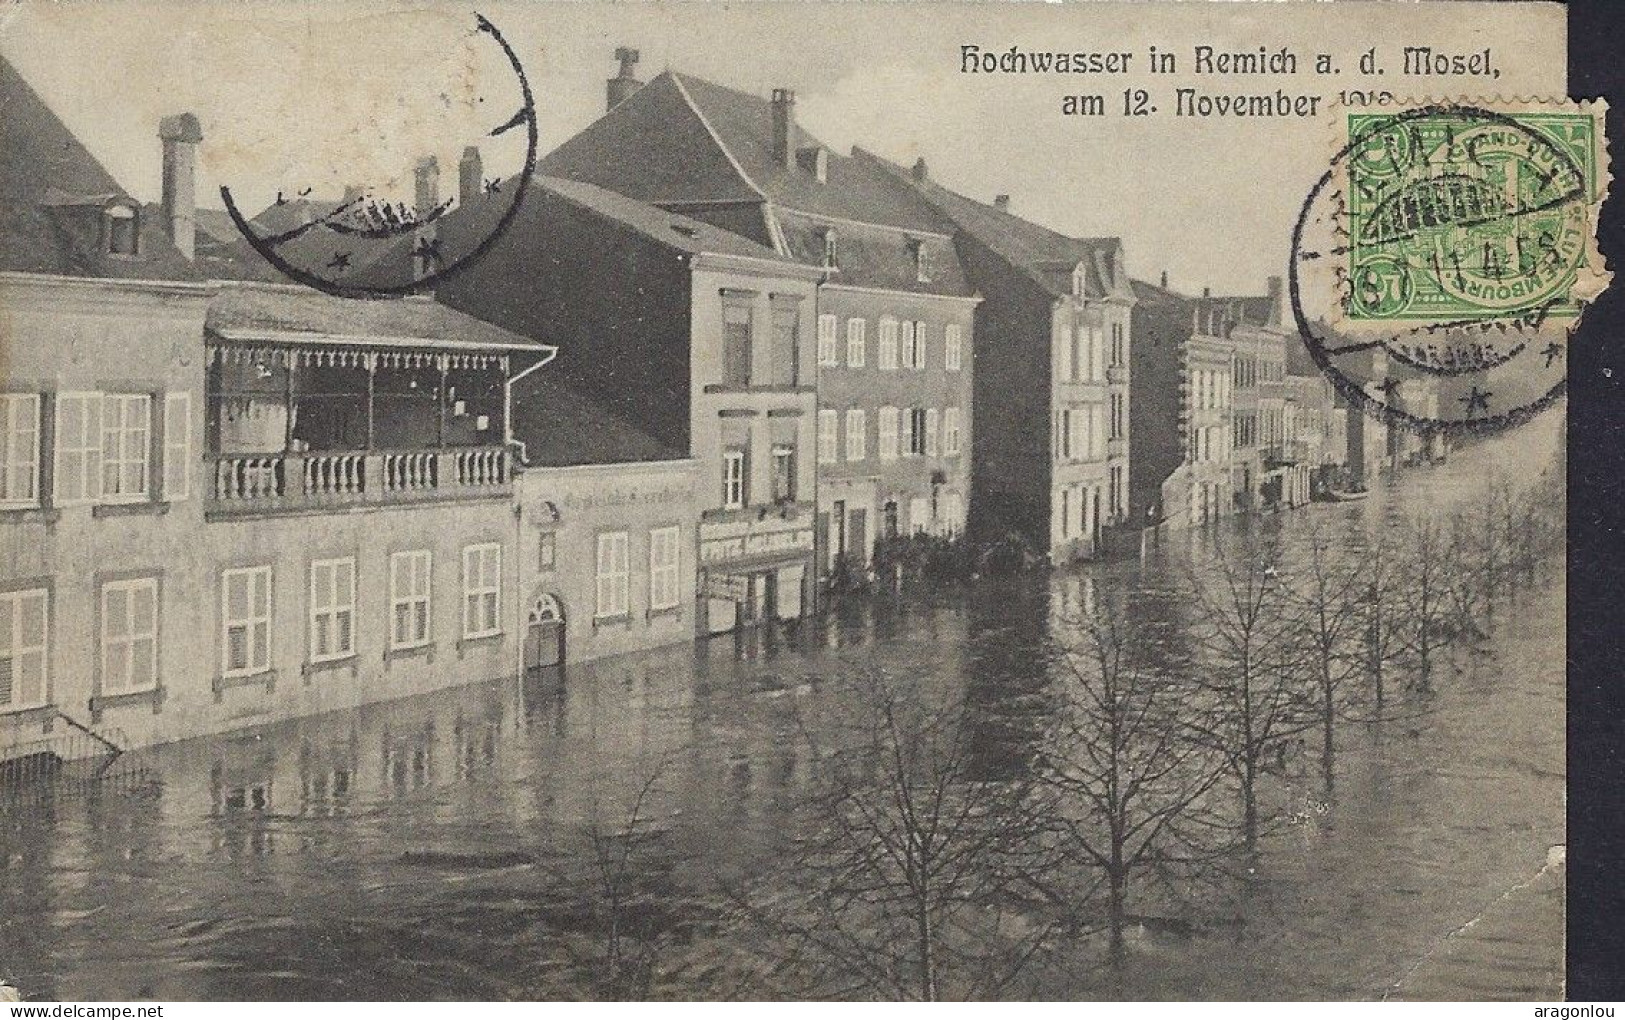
x=365, y=247
x=1433, y=263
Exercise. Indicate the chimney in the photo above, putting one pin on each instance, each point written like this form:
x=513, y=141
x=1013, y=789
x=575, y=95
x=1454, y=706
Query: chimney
x=1275, y=293
x=1001, y=203
x=1207, y=292
x=1165, y=279
x=180, y=134
x=920, y=173
x=427, y=180
x=784, y=128
x=625, y=82
x=470, y=176
x=353, y=193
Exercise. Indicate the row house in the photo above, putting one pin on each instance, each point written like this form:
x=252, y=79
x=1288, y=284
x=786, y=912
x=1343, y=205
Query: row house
x=226, y=504
x=1182, y=431
x=1055, y=319
x=691, y=335
x=893, y=337
x=1259, y=455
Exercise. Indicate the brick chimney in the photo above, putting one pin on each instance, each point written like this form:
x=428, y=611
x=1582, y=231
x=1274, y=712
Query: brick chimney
x=470, y=176
x=920, y=172
x=426, y=196
x=1001, y=203
x=619, y=88
x=1276, y=293
x=180, y=135
x=784, y=128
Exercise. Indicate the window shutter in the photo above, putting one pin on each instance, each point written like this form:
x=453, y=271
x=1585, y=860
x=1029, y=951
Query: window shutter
x=888, y=344
x=931, y=432
x=19, y=448
x=177, y=446
x=826, y=340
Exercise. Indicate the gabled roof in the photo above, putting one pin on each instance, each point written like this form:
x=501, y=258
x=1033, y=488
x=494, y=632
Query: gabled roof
x=562, y=427
x=52, y=196
x=1044, y=255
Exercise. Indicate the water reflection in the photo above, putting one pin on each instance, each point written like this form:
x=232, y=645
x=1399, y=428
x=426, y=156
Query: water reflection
x=442, y=846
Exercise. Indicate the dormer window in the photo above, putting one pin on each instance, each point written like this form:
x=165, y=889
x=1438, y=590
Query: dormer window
x=922, y=262
x=829, y=247
x=121, y=227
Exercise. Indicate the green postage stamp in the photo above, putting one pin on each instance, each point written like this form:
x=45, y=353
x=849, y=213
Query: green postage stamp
x=1459, y=214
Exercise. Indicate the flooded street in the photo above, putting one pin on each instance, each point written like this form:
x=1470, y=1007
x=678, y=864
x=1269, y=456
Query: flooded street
x=453, y=846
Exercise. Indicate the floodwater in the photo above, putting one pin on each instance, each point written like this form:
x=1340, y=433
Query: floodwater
x=452, y=846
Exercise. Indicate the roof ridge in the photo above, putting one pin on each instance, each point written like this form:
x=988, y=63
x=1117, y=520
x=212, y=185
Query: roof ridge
x=716, y=138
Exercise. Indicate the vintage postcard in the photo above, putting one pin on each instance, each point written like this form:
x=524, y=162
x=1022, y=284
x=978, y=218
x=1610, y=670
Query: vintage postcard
x=787, y=501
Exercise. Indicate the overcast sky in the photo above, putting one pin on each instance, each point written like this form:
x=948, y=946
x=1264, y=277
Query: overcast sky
x=295, y=96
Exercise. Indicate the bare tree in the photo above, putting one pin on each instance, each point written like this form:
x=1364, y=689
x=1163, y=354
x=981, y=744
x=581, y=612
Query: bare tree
x=1131, y=782
x=1249, y=684
x=907, y=877
x=1377, y=608
x=1322, y=599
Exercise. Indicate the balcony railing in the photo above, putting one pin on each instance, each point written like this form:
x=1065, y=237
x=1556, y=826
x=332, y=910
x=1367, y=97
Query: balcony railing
x=269, y=482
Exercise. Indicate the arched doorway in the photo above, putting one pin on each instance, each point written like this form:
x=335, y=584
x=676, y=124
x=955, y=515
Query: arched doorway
x=544, y=634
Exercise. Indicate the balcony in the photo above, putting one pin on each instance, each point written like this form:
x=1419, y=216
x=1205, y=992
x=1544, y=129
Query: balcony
x=259, y=483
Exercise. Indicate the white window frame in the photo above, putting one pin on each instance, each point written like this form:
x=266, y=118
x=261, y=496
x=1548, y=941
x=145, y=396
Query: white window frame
x=613, y=576
x=88, y=468
x=416, y=567
x=950, y=432
x=125, y=645
x=826, y=340
x=15, y=647
x=857, y=434
x=888, y=344
x=887, y=428
x=482, y=589
x=127, y=429
x=733, y=479
x=665, y=559
x=829, y=424
x=952, y=347
x=326, y=606
x=177, y=481
x=19, y=449
x=256, y=622
x=857, y=342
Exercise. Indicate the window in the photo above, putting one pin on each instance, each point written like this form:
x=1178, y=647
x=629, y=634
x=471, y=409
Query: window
x=409, y=592
x=919, y=514
x=1065, y=511
x=952, y=348
x=828, y=426
x=914, y=353
x=126, y=430
x=547, y=550
x=246, y=621
x=734, y=465
x=826, y=340
x=857, y=435
x=613, y=578
x=19, y=450
x=78, y=447
x=1117, y=344
x=332, y=609
x=888, y=344
x=856, y=342
x=1117, y=416
x=663, y=573
x=129, y=636
x=786, y=344
x=736, y=327
x=910, y=332
x=950, y=432
x=482, y=590
x=931, y=432
x=829, y=247
x=177, y=445
x=887, y=426
x=123, y=230
x=1097, y=353
x=916, y=431
x=1064, y=367
x=784, y=473
x=1097, y=431
x=23, y=662
x=922, y=261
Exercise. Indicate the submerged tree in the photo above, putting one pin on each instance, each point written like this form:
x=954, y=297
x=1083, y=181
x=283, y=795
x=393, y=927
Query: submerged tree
x=1249, y=682
x=1322, y=600
x=908, y=874
x=1378, y=613
x=1425, y=595
x=1130, y=783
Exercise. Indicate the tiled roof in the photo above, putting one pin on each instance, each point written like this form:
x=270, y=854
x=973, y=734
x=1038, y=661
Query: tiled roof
x=1045, y=256
x=560, y=426
x=877, y=257
x=289, y=308
x=52, y=193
